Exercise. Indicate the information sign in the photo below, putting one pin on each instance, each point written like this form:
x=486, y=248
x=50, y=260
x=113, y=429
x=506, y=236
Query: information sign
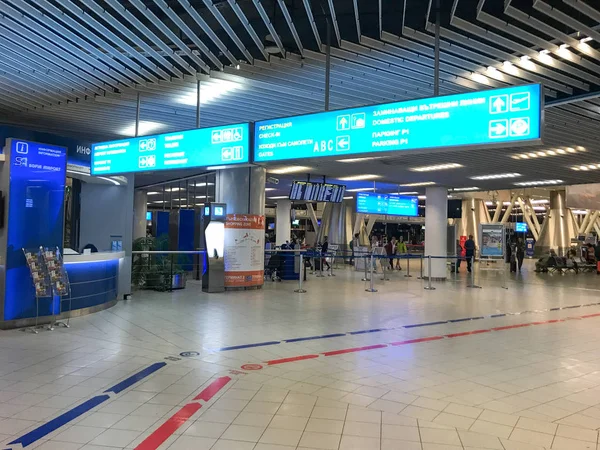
x=180, y=150
x=317, y=192
x=521, y=227
x=491, y=237
x=393, y=205
x=499, y=116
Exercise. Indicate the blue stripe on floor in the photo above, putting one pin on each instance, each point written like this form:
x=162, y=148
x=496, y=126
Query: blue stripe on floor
x=61, y=420
x=466, y=319
x=259, y=344
x=374, y=330
x=312, y=338
x=498, y=315
x=425, y=324
x=120, y=387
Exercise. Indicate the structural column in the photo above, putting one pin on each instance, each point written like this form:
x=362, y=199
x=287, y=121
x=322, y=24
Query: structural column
x=283, y=221
x=242, y=189
x=140, y=207
x=436, y=230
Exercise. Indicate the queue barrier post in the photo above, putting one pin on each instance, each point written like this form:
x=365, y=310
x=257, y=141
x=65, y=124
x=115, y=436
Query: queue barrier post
x=300, y=290
x=333, y=263
x=421, y=276
x=383, y=269
x=366, y=277
x=371, y=288
x=408, y=275
x=429, y=287
x=320, y=274
x=473, y=285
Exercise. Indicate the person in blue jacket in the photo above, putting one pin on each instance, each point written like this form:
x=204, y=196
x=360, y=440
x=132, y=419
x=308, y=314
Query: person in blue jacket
x=469, y=251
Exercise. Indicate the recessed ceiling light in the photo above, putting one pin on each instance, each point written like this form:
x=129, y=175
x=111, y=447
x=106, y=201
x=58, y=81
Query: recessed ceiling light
x=353, y=160
x=145, y=127
x=269, y=189
x=173, y=189
x=404, y=193
x=279, y=197
x=348, y=198
x=210, y=91
x=479, y=78
x=436, y=167
x=359, y=177
x=289, y=169
x=203, y=183
x=217, y=167
x=360, y=189
x=538, y=182
x=594, y=166
x=472, y=188
x=496, y=176
x=580, y=148
x=422, y=183
x=153, y=193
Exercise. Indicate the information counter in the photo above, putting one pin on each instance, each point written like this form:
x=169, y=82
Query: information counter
x=94, y=281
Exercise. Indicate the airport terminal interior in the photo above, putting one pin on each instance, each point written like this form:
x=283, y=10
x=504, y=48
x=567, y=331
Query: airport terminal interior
x=299, y=224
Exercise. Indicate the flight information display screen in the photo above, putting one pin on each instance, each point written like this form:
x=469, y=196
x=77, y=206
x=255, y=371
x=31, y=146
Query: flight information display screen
x=392, y=205
x=317, y=192
x=498, y=116
x=201, y=147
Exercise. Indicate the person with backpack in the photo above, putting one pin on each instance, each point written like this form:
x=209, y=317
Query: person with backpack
x=390, y=251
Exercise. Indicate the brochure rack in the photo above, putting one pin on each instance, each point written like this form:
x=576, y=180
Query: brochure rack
x=49, y=279
x=59, y=280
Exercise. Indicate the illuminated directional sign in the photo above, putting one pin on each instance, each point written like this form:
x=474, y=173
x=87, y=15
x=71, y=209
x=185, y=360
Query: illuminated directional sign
x=390, y=204
x=500, y=116
x=181, y=150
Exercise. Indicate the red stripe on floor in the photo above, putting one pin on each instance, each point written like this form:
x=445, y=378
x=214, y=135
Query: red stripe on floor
x=353, y=350
x=415, y=341
x=212, y=389
x=467, y=333
x=590, y=315
x=511, y=327
x=163, y=432
x=287, y=360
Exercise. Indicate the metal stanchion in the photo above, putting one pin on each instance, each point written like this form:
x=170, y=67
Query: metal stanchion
x=421, y=276
x=320, y=274
x=366, y=278
x=505, y=276
x=473, y=285
x=331, y=274
x=383, y=270
x=300, y=290
x=408, y=275
x=371, y=288
x=429, y=287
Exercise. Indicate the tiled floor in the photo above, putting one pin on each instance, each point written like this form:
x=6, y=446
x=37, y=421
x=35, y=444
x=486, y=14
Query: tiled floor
x=527, y=388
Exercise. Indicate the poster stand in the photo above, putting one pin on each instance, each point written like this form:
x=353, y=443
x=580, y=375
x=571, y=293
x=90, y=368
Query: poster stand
x=493, y=247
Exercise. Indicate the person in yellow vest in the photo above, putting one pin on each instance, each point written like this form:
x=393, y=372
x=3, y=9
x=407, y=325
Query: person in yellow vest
x=400, y=250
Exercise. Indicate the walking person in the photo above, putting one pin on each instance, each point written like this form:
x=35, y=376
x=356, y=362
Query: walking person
x=324, y=248
x=459, y=251
x=470, y=252
x=401, y=249
x=520, y=253
x=390, y=251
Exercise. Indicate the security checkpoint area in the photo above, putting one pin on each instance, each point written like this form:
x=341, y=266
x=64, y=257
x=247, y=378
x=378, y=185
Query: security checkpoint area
x=299, y=225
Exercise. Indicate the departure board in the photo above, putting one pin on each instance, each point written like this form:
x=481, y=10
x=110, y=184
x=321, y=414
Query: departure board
x=317, y=192
x=504, y=116
x=389, y=204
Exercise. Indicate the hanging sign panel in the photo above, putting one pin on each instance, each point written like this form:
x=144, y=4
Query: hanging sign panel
x=499, y=116
x=201, y=147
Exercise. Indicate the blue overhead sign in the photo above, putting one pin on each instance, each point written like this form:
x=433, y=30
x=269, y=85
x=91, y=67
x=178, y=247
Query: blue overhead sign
x=499, y=116
x=390, y=204
x=181, y=150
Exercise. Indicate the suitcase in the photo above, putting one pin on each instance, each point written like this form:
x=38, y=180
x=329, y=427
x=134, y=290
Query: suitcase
x=513, y=265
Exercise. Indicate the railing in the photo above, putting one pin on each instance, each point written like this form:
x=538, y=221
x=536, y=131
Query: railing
x=165, y=270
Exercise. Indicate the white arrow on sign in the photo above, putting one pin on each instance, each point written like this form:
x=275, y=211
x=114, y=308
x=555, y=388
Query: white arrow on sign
x=343, y=143
x=498, y=129
x=343, y=121
x=498, y=104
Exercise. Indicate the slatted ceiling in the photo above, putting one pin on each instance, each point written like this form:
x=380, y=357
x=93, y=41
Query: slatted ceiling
x=76, y=66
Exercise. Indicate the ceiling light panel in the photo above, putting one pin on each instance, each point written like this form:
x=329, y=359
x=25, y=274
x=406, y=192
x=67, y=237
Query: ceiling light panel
x=360, y=177
x=436, y=167
x=353, y=160
x=549, y=152
x=423, y=183
x=496, y=176
x=586, y=167
x=472, y=188
x=360, y=189
x=538, y=183
x=289, y=169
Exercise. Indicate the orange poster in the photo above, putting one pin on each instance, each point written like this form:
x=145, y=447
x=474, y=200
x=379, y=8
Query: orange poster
x=244, y=250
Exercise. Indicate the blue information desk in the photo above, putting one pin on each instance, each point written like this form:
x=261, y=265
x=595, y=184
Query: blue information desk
x=201, y=147
x=499, y=116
